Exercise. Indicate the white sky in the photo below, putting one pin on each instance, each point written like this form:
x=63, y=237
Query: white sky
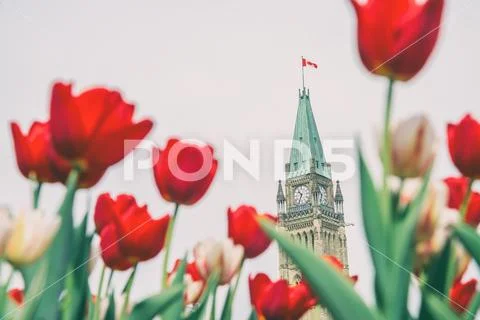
x=216, y=70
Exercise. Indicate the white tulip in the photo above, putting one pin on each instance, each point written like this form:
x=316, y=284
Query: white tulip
x=226, y=257
x=31, y=235
x=5, y=228
x=414, y=146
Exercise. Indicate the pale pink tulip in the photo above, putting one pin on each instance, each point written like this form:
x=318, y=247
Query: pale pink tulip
x=414, y=146
x=225, y=257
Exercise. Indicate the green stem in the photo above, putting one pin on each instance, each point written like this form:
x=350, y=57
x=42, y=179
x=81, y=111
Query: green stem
x=168, y=242
x=386, y=198
x=109, y=282
x=237, y=281
x=387, y=149
x=98, y=301
x=127, y=292
x=466, y=200
x=214, y=307
x=36, y=194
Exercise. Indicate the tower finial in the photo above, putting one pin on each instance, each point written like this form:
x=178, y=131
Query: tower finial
x=338, y=192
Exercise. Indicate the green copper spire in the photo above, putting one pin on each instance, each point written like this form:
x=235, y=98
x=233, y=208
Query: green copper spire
x=312, y=159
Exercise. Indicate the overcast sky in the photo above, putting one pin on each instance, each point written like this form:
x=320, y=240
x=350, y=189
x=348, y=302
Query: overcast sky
x=217, y=70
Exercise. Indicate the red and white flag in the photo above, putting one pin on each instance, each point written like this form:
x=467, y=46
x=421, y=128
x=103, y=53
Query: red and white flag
x=306, y=62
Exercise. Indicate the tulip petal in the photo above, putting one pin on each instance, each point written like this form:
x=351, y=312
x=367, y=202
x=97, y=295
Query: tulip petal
x=274, y=303
x=111, y=253
x=114, y=146
x=68, y=132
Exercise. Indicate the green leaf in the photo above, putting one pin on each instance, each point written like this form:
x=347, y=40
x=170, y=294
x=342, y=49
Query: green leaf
x=331, y=287
x=150, y=307
x=175, y=310
x=473, y=307
x=470, y=240
x=110, y=314
x=376, y=227
x=77, y=280
x=436, y=277
x=403, y=251
x=253, y=315
x=438, y=308
x=227, y=305
x=59, y=255
x=37, y=288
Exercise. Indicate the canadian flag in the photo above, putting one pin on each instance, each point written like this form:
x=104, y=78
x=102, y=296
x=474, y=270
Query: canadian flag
x=306, y=62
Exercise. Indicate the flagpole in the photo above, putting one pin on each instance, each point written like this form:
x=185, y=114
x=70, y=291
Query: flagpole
x=303, y=76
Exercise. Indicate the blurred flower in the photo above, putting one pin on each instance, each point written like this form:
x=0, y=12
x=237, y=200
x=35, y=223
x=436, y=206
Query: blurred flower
x=244, y=229
x=278, y=301
x=128, y=234
x=337, y=264
x=461, y=294
x=434, y=220
x=5, y=228
x=31, y=151
x=396, y=37
x=194, y=282
x=184, y=171
x=413, y=147
x=464, y=146
x=462, y=258
x=215, y=256
x=457, y=192
x=16, y=295
x=31, y=235
x=90, y=130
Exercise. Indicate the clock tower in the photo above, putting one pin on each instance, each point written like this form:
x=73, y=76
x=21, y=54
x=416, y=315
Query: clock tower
x=311, y=208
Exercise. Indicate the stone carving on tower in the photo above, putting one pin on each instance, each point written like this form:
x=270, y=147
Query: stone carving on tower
x=310, y=209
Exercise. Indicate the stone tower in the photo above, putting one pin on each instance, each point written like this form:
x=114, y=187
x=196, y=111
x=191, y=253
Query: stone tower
x=311, y=208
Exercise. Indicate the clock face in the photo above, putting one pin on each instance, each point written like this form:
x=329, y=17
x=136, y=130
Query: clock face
x=323, y=195
x=301, y=194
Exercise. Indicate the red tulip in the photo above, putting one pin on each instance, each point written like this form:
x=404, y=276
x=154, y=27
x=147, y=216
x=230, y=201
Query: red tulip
x=244, y=229
x=31, y=151
x=38, y=160
x=276, y=300
x=396, y=37
x=16, y=295
x=457, y=192
x=90, y=129
x=461, y=294
x=337, y=264
x=464, y=146
x=62, y=168
x=128, y=233
x=184, y=171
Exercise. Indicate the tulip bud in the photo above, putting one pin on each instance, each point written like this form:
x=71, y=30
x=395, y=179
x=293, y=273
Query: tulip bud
x=413, y=147
x=244, y=229
x=464, y=146
x=31, y=236
x=5, y=228
x=434, y=221
x=224, y=257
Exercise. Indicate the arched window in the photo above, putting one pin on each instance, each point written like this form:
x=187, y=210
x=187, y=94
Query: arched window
x=312, y=240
